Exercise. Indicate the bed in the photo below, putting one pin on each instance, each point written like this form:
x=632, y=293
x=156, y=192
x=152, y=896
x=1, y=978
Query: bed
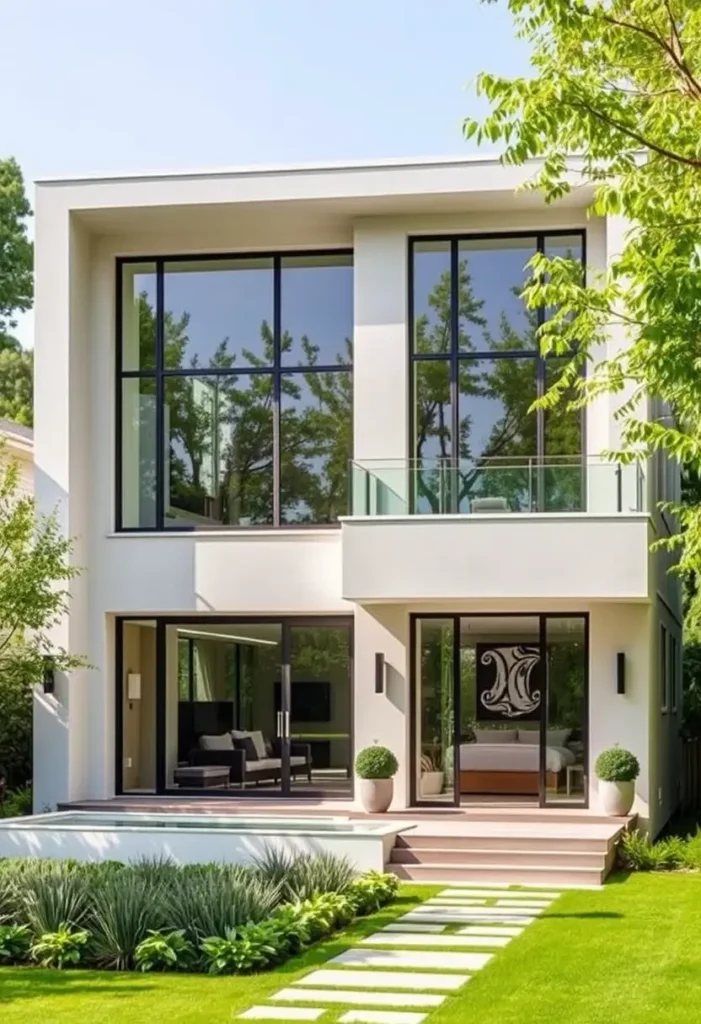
x=509, y=767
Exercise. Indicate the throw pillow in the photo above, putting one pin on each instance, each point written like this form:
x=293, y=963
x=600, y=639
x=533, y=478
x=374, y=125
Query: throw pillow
x=530, y=736
x=495, y=735
x=248, y=746
x=259, y=744
x=223, y=742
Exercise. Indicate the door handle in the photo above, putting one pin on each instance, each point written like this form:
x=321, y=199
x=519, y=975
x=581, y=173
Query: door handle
x=287, y=725
x=279, y=725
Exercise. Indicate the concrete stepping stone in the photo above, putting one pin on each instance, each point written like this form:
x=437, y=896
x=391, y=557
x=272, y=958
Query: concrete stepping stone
x=491, y=929
x=427, y=928
x=456, y=941
x=423, y=917
x=496, y=894
x=440, y=914
x=281, y=1013
x=452, y=901
x=459, y=908
x=384, y=979
x=411, y=959
x=349, y=998
x=504, y=888
x=381, y=1017
x=529, y=904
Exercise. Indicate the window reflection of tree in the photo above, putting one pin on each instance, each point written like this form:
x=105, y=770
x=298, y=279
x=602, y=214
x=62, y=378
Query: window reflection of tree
x=451, y=472
x=220, y=429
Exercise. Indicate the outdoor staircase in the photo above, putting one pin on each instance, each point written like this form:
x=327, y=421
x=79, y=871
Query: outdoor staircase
x=533, y=852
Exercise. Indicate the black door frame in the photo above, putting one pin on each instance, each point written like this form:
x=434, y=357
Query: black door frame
x=287, y=623
x=414, y=796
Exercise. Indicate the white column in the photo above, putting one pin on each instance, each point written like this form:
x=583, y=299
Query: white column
x=64, y=730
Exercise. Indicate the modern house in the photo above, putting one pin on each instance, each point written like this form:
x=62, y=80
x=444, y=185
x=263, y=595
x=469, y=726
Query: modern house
x=285, y=414
x=17, y=444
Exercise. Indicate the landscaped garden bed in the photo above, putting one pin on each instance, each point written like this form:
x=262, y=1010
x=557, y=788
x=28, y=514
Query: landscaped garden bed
x=671, y=853
x=155, y=915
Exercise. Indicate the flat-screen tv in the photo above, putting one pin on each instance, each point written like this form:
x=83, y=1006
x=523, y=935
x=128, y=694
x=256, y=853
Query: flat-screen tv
x=311, y=702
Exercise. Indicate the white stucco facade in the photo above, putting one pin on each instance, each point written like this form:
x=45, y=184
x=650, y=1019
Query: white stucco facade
x=378, y=570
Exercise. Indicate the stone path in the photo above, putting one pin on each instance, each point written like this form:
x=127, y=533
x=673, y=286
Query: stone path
x=399, y=974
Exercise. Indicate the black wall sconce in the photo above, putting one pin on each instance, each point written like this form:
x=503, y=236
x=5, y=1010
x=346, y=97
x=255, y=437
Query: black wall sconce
x=620, y=672
x=49, y=675
x=379, y=672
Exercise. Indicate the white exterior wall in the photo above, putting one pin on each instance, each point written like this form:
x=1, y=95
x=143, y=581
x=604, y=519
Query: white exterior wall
x=268, y=572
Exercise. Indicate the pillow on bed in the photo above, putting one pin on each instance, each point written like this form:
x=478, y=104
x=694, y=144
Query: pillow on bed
x=529, y=736
x=495, y=735
x=558, y=737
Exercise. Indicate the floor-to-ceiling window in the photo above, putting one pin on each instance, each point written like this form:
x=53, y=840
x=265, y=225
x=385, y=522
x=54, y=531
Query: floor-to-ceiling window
x=499, y=708
x=476, y=370
x=234, y=396
x=237, y=706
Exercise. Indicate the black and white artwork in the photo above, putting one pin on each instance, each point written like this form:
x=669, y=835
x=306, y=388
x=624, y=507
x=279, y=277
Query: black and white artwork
x=508, y=682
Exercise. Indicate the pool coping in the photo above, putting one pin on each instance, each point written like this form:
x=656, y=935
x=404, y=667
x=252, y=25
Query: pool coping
x=255, y=825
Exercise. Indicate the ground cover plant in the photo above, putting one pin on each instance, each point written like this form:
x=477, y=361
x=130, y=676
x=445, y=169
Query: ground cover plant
x=153, y=915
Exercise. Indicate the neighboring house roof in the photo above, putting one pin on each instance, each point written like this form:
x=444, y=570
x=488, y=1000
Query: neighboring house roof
x=18, y=437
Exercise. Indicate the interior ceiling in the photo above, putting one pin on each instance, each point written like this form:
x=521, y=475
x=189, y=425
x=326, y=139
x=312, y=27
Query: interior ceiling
x=269, y=632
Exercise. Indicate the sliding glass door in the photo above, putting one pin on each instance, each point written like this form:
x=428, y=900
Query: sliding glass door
x=226, y=706
x=499, y=708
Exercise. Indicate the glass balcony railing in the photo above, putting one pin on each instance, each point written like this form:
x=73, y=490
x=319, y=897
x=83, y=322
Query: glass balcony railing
x=573, y=483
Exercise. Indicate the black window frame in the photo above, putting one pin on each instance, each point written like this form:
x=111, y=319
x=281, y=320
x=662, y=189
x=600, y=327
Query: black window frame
x=160, y=374
x=456, y=356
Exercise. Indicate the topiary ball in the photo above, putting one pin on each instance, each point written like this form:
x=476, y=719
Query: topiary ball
x=617, y=765
x=376, y=763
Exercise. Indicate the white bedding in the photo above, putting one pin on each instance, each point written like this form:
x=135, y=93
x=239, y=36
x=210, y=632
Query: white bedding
x=512, y=757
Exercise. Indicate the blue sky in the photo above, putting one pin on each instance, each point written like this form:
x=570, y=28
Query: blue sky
x=127, y=85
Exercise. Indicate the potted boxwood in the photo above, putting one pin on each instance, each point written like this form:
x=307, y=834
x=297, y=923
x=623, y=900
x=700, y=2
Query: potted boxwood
x=376, y=767
x=431, y=775
x=617, y=769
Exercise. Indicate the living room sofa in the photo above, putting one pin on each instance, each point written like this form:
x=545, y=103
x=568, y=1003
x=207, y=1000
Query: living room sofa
x=251, y=757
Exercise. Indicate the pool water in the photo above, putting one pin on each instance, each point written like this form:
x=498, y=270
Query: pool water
x=260, y=824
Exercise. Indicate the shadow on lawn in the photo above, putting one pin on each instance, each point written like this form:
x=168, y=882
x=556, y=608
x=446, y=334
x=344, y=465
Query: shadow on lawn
x=38, y=983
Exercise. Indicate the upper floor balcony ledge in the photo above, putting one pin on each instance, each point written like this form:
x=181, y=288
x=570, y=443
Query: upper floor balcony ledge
x=575, y=530
x=549, y=485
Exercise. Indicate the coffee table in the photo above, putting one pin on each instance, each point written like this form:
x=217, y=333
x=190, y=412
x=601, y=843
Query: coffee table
x=204, y=776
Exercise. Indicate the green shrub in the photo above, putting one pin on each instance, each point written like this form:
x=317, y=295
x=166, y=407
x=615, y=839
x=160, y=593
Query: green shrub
x=617, y=765
x=376, y=763
x=246, y=948
x=639, y=854
x=124, y=909
x=15, y=940
x=372, y=891
x=18, y=803
x=692, y=851
x=163, y=951
x=300, y=876
x=60, y=948
x=215, y=902
x=54, y=896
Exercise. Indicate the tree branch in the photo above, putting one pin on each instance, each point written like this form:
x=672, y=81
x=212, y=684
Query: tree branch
x=635, y=136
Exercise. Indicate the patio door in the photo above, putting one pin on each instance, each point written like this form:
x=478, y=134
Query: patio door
x=499, y=707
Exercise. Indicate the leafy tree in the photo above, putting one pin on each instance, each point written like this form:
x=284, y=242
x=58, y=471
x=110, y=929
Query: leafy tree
x=16, y=384
x=34, y=573
x=16, y=255
x=619, y=82
x=16, y=291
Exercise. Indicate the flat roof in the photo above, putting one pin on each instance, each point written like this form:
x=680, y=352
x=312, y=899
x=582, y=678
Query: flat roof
x=394, y=163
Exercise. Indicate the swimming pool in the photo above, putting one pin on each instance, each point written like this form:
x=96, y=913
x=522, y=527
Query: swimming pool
x=194, y=838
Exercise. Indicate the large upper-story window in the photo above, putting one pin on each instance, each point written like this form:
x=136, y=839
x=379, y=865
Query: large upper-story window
x=235, y=391
x=476, y=369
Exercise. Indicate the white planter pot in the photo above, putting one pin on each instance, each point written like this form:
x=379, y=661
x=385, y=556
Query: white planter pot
x=375, y=794
x=432, y=783
x=616, y=798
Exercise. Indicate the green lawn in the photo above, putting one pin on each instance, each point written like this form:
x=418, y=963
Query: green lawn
x=627, y=954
